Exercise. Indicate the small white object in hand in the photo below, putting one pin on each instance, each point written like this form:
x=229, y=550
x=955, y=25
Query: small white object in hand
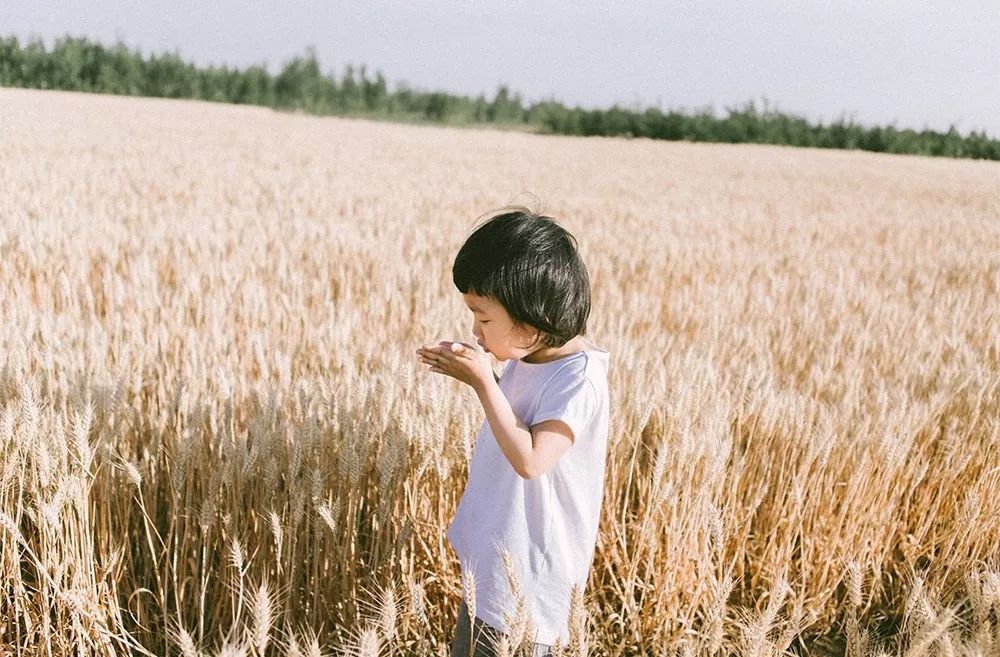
x=456, y=346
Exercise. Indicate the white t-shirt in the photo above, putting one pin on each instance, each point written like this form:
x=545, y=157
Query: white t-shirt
x=549, y=524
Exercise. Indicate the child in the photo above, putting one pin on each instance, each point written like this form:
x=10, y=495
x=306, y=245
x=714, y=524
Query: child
x=537, y=470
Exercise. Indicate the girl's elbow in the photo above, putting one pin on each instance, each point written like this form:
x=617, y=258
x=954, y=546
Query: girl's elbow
x=524, y=471
x=530, y=471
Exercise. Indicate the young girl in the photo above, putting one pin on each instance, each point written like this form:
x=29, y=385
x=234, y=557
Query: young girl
x=537, y=470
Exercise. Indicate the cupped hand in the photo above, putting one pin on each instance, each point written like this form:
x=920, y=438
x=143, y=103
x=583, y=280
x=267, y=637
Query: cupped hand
x=460, y=361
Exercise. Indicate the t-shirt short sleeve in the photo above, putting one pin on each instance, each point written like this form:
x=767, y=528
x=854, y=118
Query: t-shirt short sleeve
x=571, y=399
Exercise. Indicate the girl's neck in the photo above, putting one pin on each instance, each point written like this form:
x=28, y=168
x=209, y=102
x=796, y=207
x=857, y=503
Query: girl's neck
x=549, y=354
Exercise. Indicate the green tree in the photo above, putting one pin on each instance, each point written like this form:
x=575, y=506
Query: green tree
x=75, y=63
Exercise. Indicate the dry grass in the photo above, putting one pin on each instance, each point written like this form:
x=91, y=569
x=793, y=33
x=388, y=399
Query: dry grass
x=215, y=438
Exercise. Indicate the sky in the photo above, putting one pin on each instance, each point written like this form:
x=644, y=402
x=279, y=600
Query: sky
x=911, y=63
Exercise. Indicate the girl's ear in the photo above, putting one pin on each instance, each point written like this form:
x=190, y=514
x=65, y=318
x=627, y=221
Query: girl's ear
x=534, y=340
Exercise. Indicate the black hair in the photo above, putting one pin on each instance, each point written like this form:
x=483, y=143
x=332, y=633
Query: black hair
x=530, y=265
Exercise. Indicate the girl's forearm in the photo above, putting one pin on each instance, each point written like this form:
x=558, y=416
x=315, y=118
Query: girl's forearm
x=513, y=435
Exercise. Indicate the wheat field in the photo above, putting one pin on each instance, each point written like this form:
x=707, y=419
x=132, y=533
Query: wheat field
x=216, y=438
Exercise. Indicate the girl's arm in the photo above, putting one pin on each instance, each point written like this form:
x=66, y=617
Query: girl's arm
x=513, y=435
x=465, y=364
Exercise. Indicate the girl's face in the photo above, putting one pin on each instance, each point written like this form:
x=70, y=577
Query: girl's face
x=496, y=332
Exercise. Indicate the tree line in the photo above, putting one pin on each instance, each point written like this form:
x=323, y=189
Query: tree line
x=79, y=64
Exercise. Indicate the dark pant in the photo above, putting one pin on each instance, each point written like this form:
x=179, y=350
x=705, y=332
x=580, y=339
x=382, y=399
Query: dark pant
x=486, y=638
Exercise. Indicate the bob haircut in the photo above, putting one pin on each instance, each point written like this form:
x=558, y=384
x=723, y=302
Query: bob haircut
x=530, y=265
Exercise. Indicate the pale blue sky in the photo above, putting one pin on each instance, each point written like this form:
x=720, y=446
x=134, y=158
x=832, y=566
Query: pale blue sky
x=916, y=62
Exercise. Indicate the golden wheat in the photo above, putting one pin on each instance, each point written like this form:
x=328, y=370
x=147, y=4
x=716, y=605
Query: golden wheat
x=208, y=400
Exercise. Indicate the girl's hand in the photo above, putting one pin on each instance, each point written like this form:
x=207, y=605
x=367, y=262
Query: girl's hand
x=460, y=361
